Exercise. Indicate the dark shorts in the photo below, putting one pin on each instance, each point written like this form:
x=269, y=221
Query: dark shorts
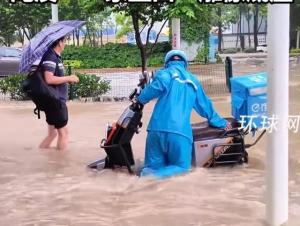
x=57, y=117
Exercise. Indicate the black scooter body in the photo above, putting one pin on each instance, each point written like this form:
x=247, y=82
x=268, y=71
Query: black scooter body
x=117, y=143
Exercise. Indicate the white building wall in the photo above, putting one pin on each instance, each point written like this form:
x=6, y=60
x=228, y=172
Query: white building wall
x=229, y=41
x=191, y=50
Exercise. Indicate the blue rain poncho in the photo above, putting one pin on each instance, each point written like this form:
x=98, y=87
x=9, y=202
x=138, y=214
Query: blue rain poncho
x=177, y=92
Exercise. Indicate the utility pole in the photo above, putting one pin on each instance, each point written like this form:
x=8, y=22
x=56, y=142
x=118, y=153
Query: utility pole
x=54, y=10
x=278, y=106
x=175, y=33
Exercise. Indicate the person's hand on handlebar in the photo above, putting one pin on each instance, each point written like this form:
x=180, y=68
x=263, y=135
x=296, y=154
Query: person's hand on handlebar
x=136, y=105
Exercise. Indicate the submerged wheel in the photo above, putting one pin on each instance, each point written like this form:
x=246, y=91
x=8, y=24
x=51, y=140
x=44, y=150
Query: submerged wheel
x=245, y=158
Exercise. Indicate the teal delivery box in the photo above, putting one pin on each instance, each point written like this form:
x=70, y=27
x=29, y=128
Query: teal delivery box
x=249, y=98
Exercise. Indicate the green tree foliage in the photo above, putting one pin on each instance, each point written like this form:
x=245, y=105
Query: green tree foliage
x=195, y=29
x=125, y=24
x=187, y=9
x=143, y=17
x=7, y=24
x=85, y=10
x=74, y=10
x=25, y=20
x=222, y=17
x=195, y=20
x=22, y=19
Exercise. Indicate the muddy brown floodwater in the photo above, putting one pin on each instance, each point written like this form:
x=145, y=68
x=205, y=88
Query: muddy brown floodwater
x=43, y=188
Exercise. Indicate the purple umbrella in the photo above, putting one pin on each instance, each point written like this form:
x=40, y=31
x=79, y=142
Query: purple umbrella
x=41, y=42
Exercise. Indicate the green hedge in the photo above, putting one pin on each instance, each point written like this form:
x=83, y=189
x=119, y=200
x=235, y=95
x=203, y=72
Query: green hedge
x=249, y=50
x=12, y=86
x=88, y=86
x=231, y=50
x=295, y=51
x=112, y=55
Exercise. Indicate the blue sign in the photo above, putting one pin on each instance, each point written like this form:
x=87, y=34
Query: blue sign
x=213, y=47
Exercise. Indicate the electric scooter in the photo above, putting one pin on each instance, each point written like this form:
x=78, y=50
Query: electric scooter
x=117, y=143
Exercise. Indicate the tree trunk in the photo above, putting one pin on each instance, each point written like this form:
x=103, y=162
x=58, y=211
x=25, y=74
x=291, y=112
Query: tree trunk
x=248, y=22
x=26, y=34
x=255, y=30
x=242, y=43
x=138, y=39
x=298, y=38
x=84, y=40
x=74, y=38
x=90, y=38
x=106, y=34
x=21, y=36
x=237, y=34
x=94, y=39
x=261, y=20
x=149, y=52
x=101, y=37
x=115, y=35
x=77, y=36
x=8, y=41
x=206, y=46
x=144, y=59
x=219, y=30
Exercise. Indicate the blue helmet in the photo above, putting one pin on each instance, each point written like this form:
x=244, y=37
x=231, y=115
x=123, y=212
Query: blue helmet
x=176, y=52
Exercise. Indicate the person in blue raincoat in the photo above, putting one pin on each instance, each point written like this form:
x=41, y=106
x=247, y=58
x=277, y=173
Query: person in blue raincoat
x=169, y=140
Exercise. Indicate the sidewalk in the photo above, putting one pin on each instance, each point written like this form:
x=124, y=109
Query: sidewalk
x=251, y=56
x=243, y=55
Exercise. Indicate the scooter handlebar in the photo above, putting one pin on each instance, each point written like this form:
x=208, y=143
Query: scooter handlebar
x=133, y=94
x=136, y=106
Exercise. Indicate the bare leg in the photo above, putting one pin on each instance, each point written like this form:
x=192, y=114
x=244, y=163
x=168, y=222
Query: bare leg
x=63, y=137
x=52, y=133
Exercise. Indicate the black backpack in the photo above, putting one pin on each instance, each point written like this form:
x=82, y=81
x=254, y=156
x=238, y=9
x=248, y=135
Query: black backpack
x=43, y=95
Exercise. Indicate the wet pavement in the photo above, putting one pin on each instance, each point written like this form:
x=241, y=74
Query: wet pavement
x=48, y=187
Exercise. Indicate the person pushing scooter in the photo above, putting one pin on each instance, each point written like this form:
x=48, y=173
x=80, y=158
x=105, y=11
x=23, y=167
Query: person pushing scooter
x=169, y=140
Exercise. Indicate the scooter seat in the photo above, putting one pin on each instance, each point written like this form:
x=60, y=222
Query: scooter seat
x=203, y=131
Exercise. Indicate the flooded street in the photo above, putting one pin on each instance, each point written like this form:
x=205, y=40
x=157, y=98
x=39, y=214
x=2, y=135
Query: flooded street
x=48, y=187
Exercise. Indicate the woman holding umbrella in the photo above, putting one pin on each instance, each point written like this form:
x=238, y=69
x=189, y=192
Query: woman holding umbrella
x=46, y=48
x=57, y=119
